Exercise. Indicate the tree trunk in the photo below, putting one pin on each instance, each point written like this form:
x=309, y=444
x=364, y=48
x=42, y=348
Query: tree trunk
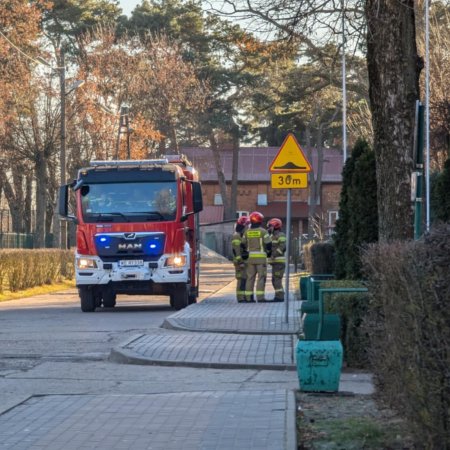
x=15, y=203
x=41, y=199
x=219, y=169
x=27, y=203
x=234, y=173
x=394, y=69
x=175, y=147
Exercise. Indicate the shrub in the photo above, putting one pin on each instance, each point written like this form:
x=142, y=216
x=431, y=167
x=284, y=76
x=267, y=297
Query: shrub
x=352, y=308
x=23, y=269
x=322, y=257
x=409, y=328
x=358, y=216
x=440, y=200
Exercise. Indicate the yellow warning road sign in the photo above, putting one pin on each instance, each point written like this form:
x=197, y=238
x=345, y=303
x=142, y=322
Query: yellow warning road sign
x=285, y=180
x=290, y=158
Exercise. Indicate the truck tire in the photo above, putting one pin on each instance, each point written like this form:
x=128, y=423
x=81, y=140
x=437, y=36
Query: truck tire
x=108, y=297
x=87, y=299
x=179, y=299
x=109, y=300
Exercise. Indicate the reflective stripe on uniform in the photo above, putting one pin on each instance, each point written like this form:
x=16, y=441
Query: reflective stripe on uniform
x=257, y=255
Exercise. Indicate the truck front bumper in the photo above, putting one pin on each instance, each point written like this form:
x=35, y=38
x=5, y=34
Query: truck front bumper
x=94, y=271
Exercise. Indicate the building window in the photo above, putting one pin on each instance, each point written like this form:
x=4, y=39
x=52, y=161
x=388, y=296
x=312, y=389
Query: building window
x=218, y=199
x=262, y=199
x=241, y=213
x=332, y=217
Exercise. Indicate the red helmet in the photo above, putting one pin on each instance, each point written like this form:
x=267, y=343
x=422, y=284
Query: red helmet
x=256, y=217
x=243, y=220
x=276, y=224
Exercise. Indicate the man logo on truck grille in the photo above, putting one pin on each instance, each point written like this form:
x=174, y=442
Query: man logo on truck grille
x=129, y=235
x=129, y=246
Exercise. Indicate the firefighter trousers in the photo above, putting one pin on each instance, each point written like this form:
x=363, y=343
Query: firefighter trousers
x=277, y=279
x=254, y=270
x=240, y=272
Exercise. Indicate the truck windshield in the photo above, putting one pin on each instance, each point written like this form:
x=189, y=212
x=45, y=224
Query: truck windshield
x=129, y=202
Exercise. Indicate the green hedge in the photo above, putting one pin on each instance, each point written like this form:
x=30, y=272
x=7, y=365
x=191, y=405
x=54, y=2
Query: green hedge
x=24, y=269
x=352, y=307
x=409, y=328
x=318, y=257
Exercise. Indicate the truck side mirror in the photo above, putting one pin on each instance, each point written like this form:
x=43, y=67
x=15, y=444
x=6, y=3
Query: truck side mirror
x=63, y=203
x=197, y=197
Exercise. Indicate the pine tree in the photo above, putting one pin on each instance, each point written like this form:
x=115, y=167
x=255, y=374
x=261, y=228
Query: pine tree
x=358, y=217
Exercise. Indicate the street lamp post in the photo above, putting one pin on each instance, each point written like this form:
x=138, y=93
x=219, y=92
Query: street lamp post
x=62, y=155
x=344, y=88
x=60, y=226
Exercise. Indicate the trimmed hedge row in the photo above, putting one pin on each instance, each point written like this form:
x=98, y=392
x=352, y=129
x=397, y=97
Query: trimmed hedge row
x=352, y=308
x=318, y=257
x=408, y=323
x=24, y=269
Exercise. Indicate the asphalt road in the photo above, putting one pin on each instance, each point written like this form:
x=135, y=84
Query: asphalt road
x=48, y=346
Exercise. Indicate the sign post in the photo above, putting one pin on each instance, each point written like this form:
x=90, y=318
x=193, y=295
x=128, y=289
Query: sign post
x=289, y=170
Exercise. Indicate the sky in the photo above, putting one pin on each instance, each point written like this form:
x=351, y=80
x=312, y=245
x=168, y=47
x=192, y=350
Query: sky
x=128, y=5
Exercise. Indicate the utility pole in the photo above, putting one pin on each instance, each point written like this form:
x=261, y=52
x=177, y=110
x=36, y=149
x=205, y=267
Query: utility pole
x=427, y=112
x=344, y=88
x=60, y=228
x=124, y=122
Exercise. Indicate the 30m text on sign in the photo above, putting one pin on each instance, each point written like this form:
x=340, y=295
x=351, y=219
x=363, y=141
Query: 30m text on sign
x=293, y=180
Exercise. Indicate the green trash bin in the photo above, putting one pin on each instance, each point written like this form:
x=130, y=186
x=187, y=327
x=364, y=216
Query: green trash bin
x=331, y=327
x=304, y=280
x=319, y=365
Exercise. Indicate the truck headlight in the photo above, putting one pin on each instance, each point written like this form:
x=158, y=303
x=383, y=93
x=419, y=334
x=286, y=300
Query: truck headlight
x=86, y=263
x=175, y=261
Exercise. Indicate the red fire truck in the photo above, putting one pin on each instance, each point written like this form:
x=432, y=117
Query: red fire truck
x=137, y=230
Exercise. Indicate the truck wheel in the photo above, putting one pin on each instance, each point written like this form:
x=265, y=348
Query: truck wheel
x=109, y=300
x=192, y=299
x=180, y=298
x=87, y=299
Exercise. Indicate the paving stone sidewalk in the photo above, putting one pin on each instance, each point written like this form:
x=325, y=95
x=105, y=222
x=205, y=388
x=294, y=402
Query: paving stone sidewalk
x=222, y=314
x=219, y=332
x=213, y=420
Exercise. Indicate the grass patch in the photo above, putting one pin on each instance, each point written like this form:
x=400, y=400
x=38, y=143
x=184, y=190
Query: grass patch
x=338, y=422
x=38, y=290
x=350, y=434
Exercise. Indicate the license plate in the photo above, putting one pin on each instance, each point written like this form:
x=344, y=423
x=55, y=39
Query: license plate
x=131, y=262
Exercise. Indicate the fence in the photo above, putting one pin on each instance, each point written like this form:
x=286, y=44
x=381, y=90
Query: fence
x=16, y=240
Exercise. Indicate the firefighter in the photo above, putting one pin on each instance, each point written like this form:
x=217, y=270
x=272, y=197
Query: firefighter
x=257, y=242
x=277, y=259
x=239, y=257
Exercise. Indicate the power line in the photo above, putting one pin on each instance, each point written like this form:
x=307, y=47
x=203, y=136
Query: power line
x=22, y=52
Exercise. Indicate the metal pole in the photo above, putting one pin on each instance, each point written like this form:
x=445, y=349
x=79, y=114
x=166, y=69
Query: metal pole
x=62, y=156
x=427, y=110
x=419, y=172
x=127, y=123
x=288, y=246
x=344, y=88
x=119, y=131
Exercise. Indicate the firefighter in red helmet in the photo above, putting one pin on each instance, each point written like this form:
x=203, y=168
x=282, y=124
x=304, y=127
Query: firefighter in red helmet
x=277, y=258
x=258, y=243
x=240, y=257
